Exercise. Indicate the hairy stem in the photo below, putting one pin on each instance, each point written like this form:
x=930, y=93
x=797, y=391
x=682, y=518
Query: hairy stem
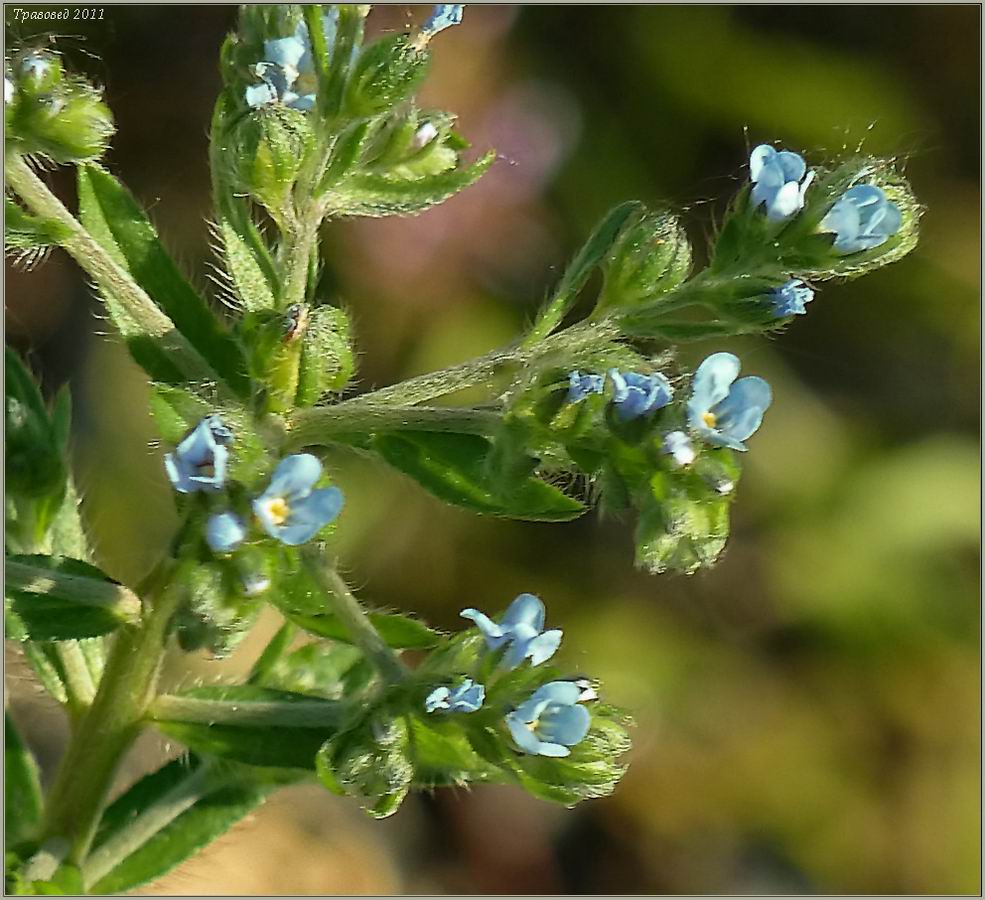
x=111, y=277
x=86, y=771
x=344, y=604
x=319, y=424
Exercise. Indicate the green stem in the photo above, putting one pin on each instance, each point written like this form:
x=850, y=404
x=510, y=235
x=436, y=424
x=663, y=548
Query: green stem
x=319, y=424
x=264, y=713
x=104, y=733
x=344, y=604
x=111, y=277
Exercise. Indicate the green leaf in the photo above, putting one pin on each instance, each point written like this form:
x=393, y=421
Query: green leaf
x=453, y=468
x=115, y=219
x=380, y=195
x=22, y=787
x=165, y=818
x=323, y=669
x=248, y=273
x=250, y=724
x=50, y=598
x=580, y=268
x=400, y=632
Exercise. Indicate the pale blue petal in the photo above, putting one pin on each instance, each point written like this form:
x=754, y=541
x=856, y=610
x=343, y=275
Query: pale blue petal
x=437, y=699
x=285, y=51
x=785, y=202
x=792, y=165
x=863, y=195
x=308, y=515
x=294, y=476
x=522, y=735
x=760, y=157
x=493, y=633
x=564, y=724
x=443, y=16
x=304, y=102
x=565, y=693
x=843, y=218
x=525, y=609
x=552, y=750
x=544, y=646
x=224, y=532
x=580, y=386
x=620, y=388
x=711, y=384
x=741, y=413
x=892, y=220
x=678, y=445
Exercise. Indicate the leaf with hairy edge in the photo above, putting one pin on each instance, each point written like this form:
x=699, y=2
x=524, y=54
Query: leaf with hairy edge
x=50, y=598
x=400, y=632
x=115, y=219
x=453, y=468
x=165, y=818
x=22, y=787
x=249, y=724
x=380, y=195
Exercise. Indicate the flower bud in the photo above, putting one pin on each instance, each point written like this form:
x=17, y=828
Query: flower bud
x=416, y=144
x=385, y=74
x=271, y=146
x=651, y=257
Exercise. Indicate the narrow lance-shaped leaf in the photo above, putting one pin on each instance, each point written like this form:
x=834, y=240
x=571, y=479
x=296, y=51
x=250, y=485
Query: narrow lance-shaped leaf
x=250, y=724
x=114, y=218
x=165, y=818
x=55, y=598
x=579, y=270
x=400, y=632
x=453, y=468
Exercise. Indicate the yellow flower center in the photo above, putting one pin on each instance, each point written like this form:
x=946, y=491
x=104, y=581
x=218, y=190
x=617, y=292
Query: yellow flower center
x=709, y=419
x=278, y=510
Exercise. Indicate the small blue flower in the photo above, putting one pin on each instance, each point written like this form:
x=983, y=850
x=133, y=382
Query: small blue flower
x=791, y=299
x=551, y=721
x=287, y=70
x=466, y=697
x=722, y=412
x=444, y=15
x=199, y=461
x=639, y=395
x=254, y=583
x=522, y=628
x=224, y=532
x=862, y=218
x=778, y=181
x=290, y=509
x=678, y=445
x=35, y=66
x=580, y=386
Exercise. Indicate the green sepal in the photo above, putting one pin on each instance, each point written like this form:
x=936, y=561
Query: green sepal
x=327, y=359
x=48, y=598
x=25, y=234
x=454, y=468
x=365, y=194
x=254, y=725
x=385, y=73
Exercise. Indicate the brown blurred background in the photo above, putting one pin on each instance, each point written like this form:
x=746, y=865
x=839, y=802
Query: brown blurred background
x=808, y=711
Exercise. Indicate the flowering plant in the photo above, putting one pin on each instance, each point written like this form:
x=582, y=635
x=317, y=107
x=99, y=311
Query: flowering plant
x=314, y=123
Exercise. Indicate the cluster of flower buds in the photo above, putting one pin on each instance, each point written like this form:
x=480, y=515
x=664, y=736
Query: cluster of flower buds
x=50, y=113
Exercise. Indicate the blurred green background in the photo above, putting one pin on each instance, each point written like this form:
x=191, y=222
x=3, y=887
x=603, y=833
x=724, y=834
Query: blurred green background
x=808, y=712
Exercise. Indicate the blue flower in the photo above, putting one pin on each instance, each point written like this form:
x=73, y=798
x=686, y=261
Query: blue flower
x=289, y=509
x=722, y=412
x=639, y=395
x=287, y=70
x=224, y=532
x=466, y=697
x=254, y=583
x=199, y=461
x=443, y=16
x=791, y=298
x=778, y=181
x=678, y=445
x=862, y=218
x=551, y=721
x=522, y=628
x=580, y=386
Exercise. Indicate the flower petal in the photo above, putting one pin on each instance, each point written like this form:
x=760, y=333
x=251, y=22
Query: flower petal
x=791, y=164
x=285, y=51
x=564, y=693
x=526, y=609
x=437, y=699
x=760, y=157
x=308, y=515
x=522, y=734
x=493, y=633
x=564, y=724
x=741, y=413
x=294, y=476
x=544, y=646
x=711, y=385
x=224, y=532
